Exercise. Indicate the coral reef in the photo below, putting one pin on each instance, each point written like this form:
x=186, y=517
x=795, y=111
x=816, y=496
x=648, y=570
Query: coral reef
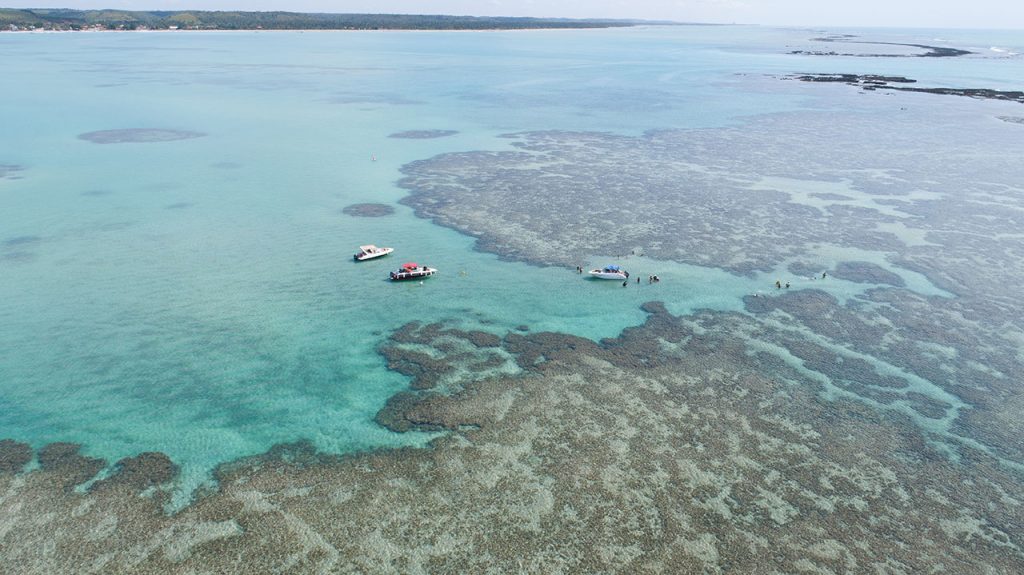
x=138, y=136
x=714, y=457
x=875, y=82
x=368, y=210
x=423, y=134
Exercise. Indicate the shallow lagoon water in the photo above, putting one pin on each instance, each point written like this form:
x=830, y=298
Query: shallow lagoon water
x=237, y=320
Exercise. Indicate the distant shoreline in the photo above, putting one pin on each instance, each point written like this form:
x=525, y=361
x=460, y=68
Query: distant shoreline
x=331, y=31
x=68, y=20
x=324, y=30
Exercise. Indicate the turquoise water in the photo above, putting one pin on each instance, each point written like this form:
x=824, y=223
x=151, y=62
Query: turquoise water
x=197, y=297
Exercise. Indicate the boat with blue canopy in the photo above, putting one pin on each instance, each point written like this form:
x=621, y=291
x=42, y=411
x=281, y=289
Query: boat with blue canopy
x=609, y=272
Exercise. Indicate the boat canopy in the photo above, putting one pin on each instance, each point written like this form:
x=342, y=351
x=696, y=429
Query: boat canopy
x=368, y=249
x=612, y=268
x=410, y=266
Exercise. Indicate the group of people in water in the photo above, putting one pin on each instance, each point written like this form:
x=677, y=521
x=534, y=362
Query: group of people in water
x=650, y=280
x=655, y=279
x=778, y=283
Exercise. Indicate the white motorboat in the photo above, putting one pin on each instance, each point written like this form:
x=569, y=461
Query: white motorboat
x=609, y=273
x=370, y=252
x=412, y=271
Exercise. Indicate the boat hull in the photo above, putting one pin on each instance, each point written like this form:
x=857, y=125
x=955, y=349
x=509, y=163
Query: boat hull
x=362, y=257
x=603, y=275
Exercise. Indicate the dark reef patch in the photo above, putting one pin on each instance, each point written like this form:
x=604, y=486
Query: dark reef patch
x=138, y=136
x=929, y=51
x=63, y=462
x=368, y=210
x=178, y=206
x=19, y=249
x=423, y=134
x=14, y=456
x=10, y=171
x=874, y=82
x=96, y=193
x=805, y=269
x=460, y=355
x=409, y=411
x=21, y=241
x=832, y=197
x=928, y=406
x=141, y=472
x=226, y=165
x=1012, y=119
x=866, y=272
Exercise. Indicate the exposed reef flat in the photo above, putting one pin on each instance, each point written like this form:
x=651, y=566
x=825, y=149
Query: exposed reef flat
x=138, y=136
x=368, y=210
x=676, y=447
x=875, y=82
x=423, y=134
x=929, y=51
x=695, y=196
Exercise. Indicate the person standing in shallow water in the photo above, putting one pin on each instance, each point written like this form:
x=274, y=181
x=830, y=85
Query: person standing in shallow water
x=778, y=284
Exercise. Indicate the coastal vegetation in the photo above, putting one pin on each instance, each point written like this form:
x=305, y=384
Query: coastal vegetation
x=67, y=19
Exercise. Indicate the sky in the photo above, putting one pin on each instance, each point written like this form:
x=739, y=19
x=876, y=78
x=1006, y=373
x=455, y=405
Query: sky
x=846, y=13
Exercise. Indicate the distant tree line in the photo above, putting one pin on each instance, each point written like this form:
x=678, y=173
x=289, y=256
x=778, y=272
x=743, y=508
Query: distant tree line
x=67, y=19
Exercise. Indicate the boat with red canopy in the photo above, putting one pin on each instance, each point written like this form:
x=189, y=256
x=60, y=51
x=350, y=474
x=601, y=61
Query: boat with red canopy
x=412, y=271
